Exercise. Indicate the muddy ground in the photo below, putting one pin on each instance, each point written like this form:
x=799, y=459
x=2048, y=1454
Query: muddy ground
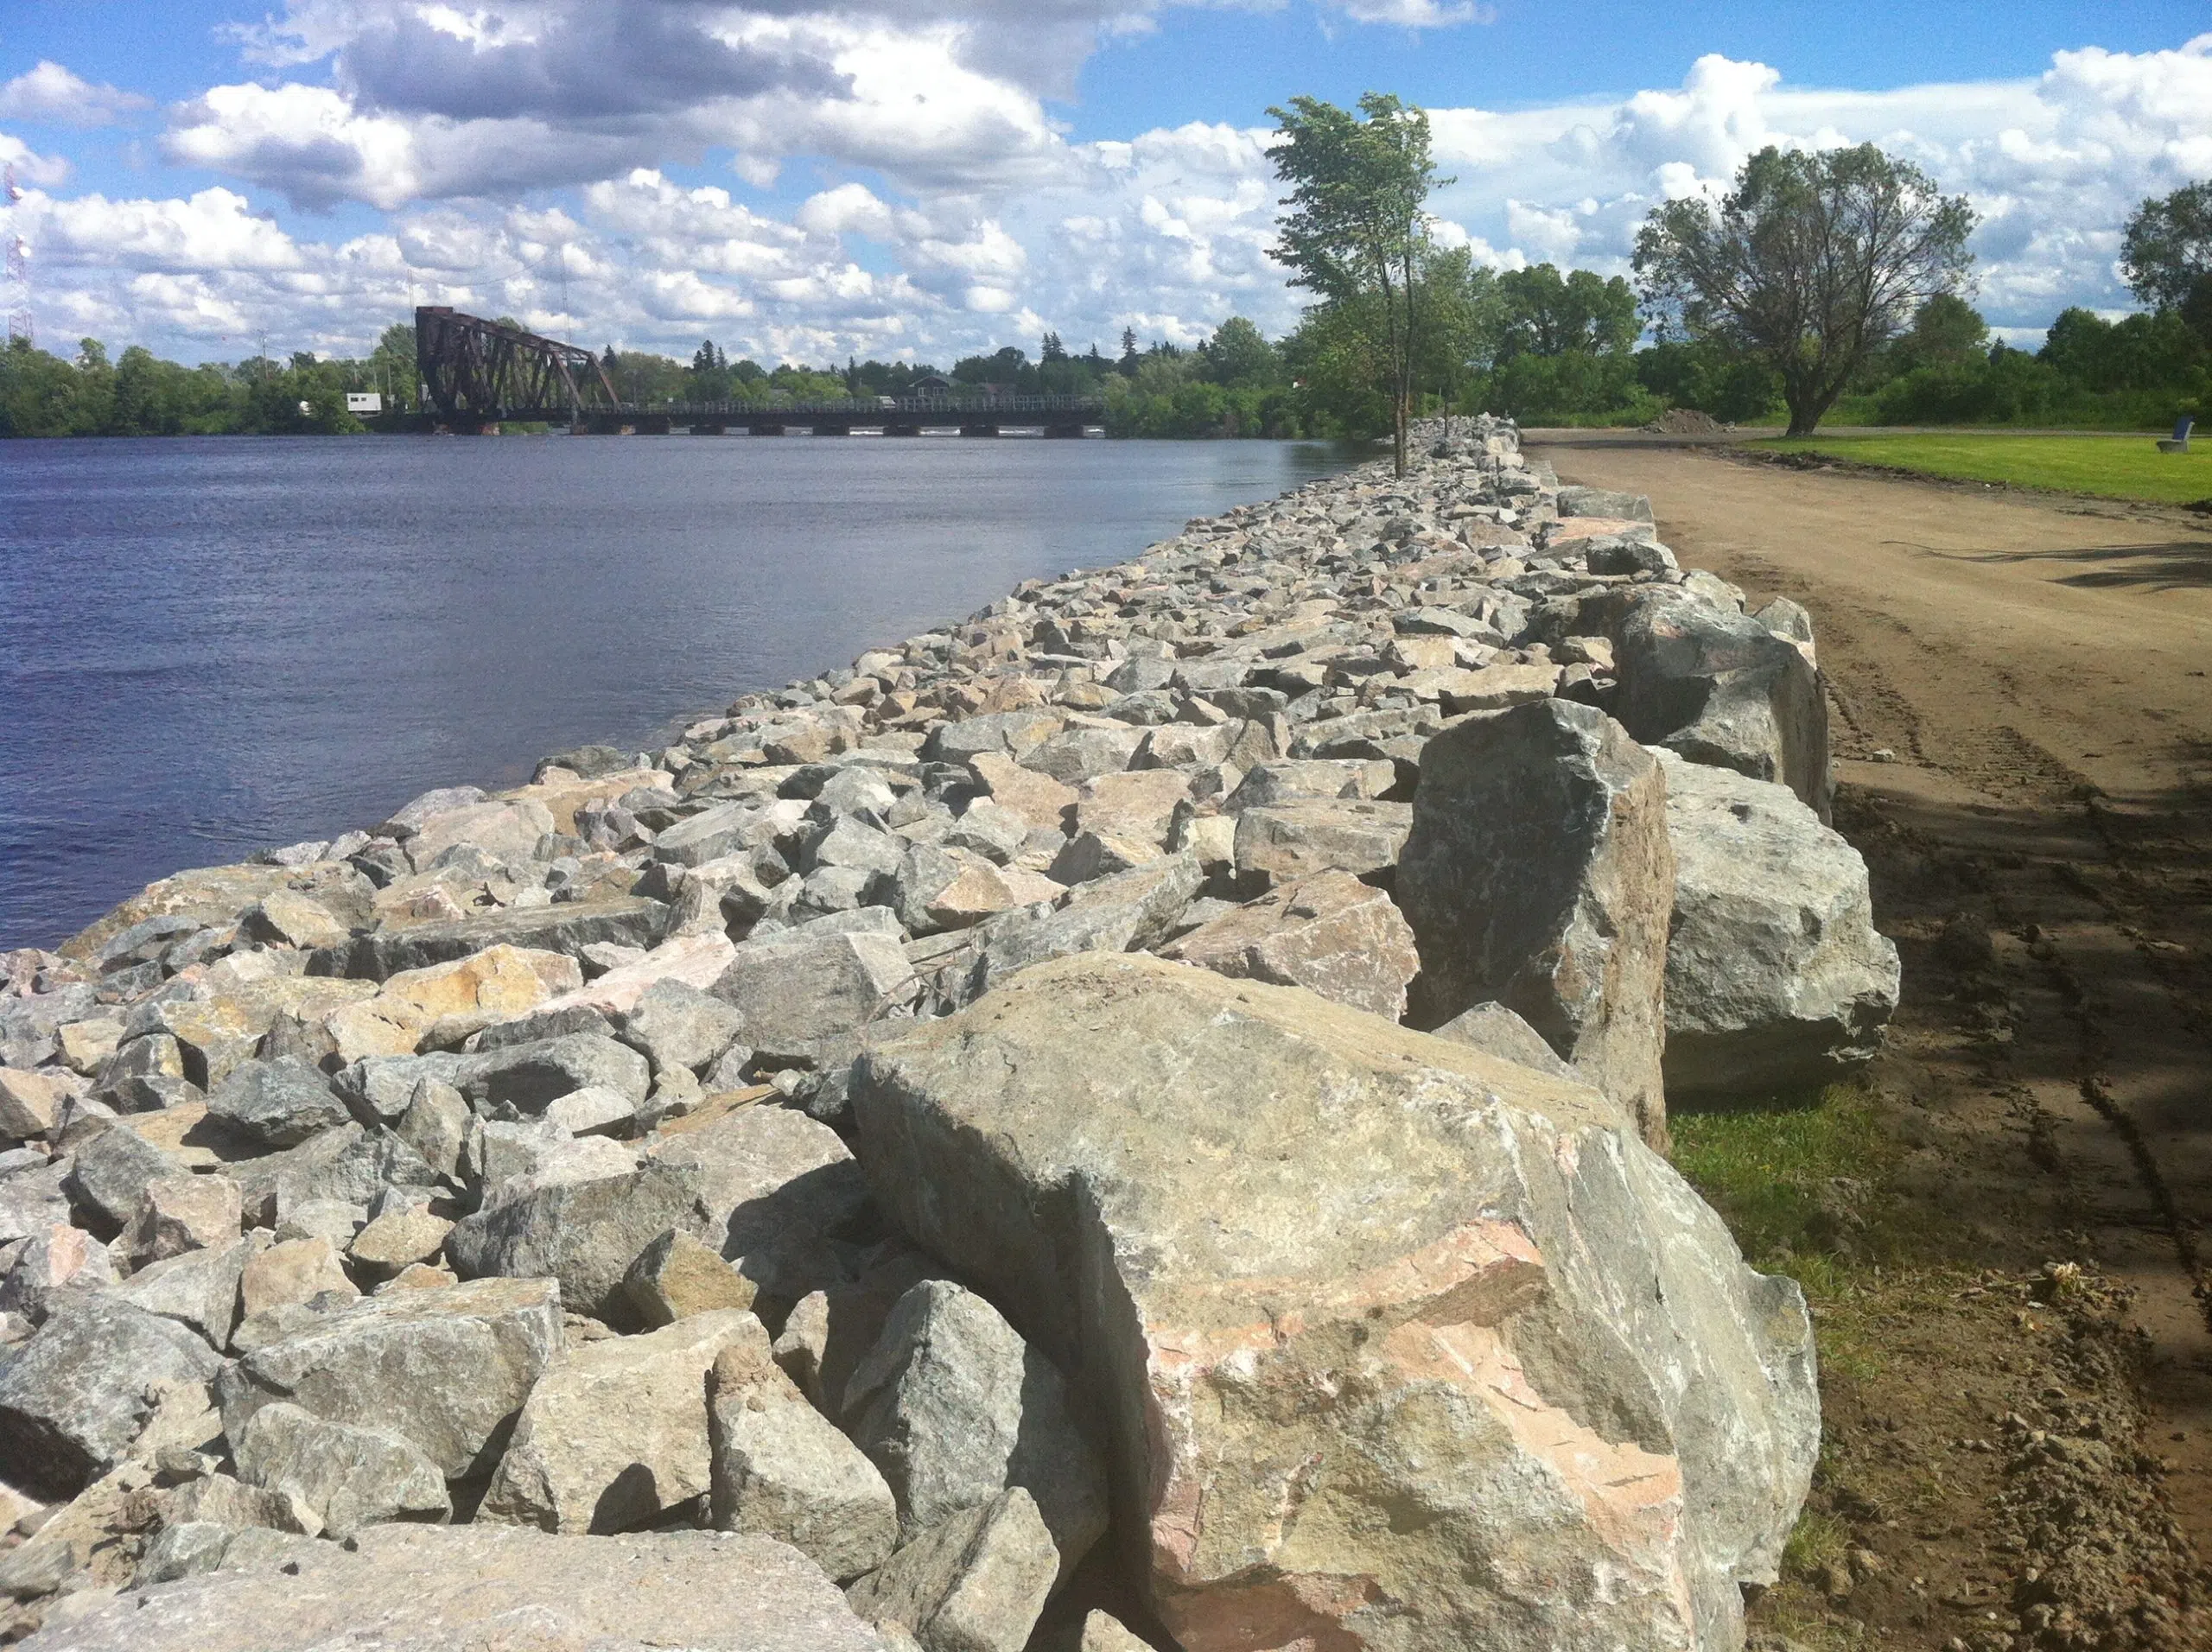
x=2020, y=1410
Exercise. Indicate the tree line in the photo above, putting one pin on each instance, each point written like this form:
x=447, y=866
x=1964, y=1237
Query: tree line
x=1824, y=284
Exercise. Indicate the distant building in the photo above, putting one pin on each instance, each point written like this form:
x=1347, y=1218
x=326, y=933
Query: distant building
x=930, y=384
x=364, y=401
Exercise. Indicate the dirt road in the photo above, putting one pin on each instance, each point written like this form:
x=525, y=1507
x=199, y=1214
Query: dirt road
x=2023, y=729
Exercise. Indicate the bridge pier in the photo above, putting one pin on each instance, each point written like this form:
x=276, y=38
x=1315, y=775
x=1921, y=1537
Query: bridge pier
x=765, y=428
x=832, y=428
x=902, y=427
x=978, y=429
x=709, y=429
x=1063, y=432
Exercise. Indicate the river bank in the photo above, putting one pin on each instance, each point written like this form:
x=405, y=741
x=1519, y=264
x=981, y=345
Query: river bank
x=1085, y=1115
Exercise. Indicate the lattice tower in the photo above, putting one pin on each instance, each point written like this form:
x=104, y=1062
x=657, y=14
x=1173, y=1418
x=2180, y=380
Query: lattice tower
x=18, y=296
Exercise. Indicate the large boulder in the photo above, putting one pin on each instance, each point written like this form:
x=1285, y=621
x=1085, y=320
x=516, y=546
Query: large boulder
x=1721, y=688
x=566, y=927
x=80, y=1392
x=808, y=994
x=584, y=1234
x=1776, y=978
x=615, y=1435
x=1538, y=875
x=348, y=1478
x=1398, y=1345
x=477, y=1588
x=977, y=1581
x=446, y=1369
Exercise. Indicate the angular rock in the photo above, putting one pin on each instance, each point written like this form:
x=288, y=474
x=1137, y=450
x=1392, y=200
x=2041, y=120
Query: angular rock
x=1038, y=799
x=75, y=1396
x=435, y=1125
x=674, y=1024
x=282, y=917
x=1287, y=842
x=1722, y=689
x=614, y=1435
x=57, y=1257
x=1776, y=978
x=278, y=1103
x=291, y=1271
x=199, y=1288
x=1401, y=1346
x=1538, y=875
x=1077, y=754
x=397, y=1239
x=566, y=927
x=975, y=1583
x=1290, y=779
x=1496, y=1030
x=1125, y=912
x=1102, y=1633
x=781, y=1469
x=474, y=1588
x=1330, y=934
x=348, y=1478
x=180, y=1213
x=29, y=1102
x=809, y=995
x=584, y=1234
x=676, y=1276
x=445, y=1369
x=776, y=1186
x=34, y=1200
x=953, y=1407
x=110, y=1172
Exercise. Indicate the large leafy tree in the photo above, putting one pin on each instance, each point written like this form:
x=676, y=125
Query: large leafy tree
x=2167, y=254
x=1358, y=227
x=1813, y=262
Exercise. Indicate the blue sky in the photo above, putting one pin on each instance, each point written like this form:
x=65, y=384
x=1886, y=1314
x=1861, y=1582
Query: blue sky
x=923, y=177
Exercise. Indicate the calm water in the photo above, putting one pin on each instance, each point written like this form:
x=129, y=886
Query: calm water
x=209, y=647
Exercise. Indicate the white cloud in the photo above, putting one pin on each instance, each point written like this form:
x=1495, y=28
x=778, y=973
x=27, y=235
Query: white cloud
x=516, y=175
x=50, y=94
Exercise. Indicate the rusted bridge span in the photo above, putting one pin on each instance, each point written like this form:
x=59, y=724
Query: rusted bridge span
x=478, y=375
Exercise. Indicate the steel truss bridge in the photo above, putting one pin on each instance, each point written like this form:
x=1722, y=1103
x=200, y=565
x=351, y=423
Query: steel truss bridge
x=477, y=375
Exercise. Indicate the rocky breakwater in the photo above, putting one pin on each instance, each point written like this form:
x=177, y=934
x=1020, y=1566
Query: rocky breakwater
x=1152, y=1098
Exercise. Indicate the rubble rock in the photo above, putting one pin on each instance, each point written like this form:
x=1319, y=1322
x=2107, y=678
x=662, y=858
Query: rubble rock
x=782, y=1469
x=486, y=1589
x=953, y=1407
x=1776, y=978
x=615, y=1433
x=445, y=1369
x=1331, y=934
x=976, y=1582
x=1538, y=875
x=584, y=1234
x=278, y=1103
x=676, y=1276
x=75, y=1396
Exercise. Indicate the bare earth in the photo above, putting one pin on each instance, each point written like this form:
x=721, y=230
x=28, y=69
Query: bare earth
x=2023, y=723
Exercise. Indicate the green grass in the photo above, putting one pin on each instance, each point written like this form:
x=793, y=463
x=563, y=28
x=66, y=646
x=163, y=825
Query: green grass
x=2112, y=467
x=1798, y=1179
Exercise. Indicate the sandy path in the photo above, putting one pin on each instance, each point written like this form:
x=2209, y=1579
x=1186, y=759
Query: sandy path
x=2034, y=673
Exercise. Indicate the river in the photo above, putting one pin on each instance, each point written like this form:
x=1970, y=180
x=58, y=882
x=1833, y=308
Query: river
x=209, y=646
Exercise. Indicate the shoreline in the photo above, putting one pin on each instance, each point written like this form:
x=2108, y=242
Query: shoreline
x=1395, y=832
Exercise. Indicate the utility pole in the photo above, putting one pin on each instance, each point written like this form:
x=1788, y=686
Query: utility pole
x=19, y=267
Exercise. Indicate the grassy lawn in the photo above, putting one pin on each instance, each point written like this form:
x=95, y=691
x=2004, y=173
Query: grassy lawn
x=2116, y=466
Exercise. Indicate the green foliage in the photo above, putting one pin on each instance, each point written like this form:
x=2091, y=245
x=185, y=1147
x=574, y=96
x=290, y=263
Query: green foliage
x=1357, y=231
x=140, y=395
x=1814, y=263
x=1546, y=314
x=2167, y=249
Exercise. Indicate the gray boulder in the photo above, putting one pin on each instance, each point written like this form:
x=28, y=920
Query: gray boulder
x=1538, y=875
x=775, y=1187
x=677, y=1025
x=110, y=1172
x=1288, y=842
x=199, y=1288
x=446, y=1369
x=567, y=927
x=1721, y=688
x=1127, y=911
x=782, y=1469
x=1776, y=978
x=584, y=1234
x=954, y=1407
x=75, y=1396
x=348, y=1478
x=485, y=1589
x=1603, y=502
x=1498, y=1031
x=976, y=1582
x=809, y=993
x=614, y=1435
x=278, y=1103
x=1511, y=1374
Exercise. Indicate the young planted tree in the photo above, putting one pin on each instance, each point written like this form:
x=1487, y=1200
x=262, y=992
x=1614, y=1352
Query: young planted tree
x=1358, y=229
x=1813, y=262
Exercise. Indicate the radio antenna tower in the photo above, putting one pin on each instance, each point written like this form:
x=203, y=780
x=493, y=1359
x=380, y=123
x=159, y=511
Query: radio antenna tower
x=19, y=268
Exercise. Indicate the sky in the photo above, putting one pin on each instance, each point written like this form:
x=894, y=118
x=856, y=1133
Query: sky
x=807, y=179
